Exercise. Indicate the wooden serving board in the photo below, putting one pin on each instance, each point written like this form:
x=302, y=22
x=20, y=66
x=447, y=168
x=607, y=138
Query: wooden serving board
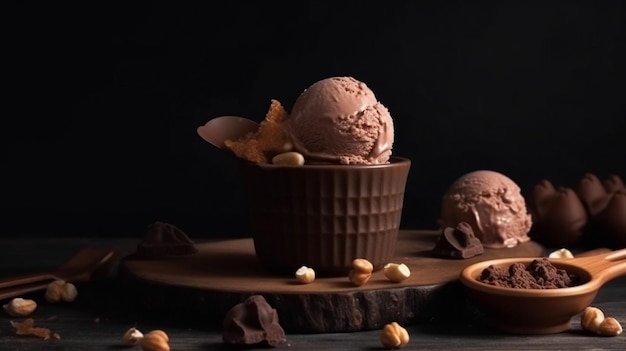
x=223, y=273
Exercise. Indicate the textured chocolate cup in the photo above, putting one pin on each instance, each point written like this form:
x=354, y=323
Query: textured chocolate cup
x=324, y=216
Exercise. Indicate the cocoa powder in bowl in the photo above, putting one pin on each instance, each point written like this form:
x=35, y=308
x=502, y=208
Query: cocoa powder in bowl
x=539, y=274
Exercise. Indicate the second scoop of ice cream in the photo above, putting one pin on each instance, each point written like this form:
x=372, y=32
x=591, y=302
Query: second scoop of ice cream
x=339, y=120
x=492, y=203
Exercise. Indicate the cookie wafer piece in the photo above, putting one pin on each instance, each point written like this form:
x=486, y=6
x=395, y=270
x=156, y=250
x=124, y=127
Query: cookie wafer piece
x=268, y=141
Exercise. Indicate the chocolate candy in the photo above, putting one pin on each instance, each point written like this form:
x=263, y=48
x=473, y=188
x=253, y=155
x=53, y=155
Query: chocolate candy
x=251, y=322
x=591, y=215
x=165, y=240
x=459, y=242
x=559, y=216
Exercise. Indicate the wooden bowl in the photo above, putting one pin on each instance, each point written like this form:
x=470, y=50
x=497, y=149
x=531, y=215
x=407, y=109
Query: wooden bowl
x=542, y=311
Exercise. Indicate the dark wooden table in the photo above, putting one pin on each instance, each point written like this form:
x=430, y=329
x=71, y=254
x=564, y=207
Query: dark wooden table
x=103, y=311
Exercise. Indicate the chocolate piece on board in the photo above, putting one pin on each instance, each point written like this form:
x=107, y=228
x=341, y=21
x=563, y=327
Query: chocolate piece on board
x=252, y=322
x=459, y=242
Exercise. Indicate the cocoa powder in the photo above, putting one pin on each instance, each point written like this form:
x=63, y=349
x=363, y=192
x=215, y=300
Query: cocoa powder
x=539, y=274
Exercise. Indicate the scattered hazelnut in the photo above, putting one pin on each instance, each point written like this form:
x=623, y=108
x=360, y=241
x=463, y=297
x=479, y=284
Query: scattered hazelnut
x=305, y=275
x=361, y=271
x=561, y=253
x=394, y=336
x=19, y=307
x=591, y=318
x=61, y=291
x=396, y=272
x=156, y=340
x=132, y=337
x=290, y=158
x=610, y=327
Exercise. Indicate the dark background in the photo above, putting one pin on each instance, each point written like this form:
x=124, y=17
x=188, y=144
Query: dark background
x=102, y=99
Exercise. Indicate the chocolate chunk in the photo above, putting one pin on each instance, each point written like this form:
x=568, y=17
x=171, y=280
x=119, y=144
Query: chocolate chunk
x=165, y=240
x=459, y=242
x=251, y=322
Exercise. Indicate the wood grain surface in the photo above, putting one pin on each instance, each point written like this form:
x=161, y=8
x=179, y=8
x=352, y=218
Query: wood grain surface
x=224, y=273
x=106, y=308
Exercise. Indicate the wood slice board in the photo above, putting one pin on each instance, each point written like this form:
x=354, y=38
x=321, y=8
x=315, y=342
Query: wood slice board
x=223, y=273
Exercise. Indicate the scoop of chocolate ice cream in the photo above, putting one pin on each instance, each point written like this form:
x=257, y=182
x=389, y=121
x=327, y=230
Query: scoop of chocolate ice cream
x=251, y=322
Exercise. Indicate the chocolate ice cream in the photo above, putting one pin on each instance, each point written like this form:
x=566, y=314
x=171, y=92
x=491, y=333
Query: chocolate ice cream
x=339, y=120
x=492, y=204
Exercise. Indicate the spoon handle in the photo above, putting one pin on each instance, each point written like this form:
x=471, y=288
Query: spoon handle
x=604, y=266
x=20, y=290
x=25, y=279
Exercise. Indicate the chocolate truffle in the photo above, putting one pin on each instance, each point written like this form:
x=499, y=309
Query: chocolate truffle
x=459, y=242
x=606, y=204
x=591, y=215
x=592, y=193
x=252, y=322
x=165, y=240
x=612, y=219
x=559, y=217
x=613, y=183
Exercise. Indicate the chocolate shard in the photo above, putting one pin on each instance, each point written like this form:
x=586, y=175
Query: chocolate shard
x=458, y=242
x=253, y=322
x=165, y=240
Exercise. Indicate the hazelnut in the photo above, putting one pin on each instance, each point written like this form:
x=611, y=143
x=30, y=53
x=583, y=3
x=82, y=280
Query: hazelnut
x=305, y=275
x=132, y=337
x=396, y=272
x=60, y=290
x=610, y=327
x=394, y=336
x=156, y=340
x=591, y=318
x=19, y=307
x=290, y=158
x=361, y=271
x=561, y=253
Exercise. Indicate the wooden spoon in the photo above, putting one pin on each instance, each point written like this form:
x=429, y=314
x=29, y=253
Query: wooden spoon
x=219, y=129
x=542, y=311
x=78, y=269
